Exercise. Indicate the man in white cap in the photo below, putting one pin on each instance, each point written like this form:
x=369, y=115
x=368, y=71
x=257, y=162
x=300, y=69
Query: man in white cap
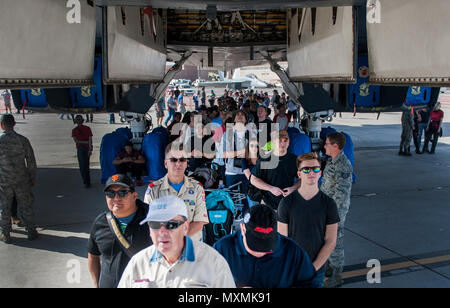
x=175, y=260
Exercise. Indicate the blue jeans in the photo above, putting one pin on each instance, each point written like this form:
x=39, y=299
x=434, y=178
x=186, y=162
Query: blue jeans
x=170, y=116
x=422, y=130
x=83, y=162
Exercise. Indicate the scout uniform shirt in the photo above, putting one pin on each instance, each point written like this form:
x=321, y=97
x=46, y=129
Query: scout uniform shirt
x=191, y=193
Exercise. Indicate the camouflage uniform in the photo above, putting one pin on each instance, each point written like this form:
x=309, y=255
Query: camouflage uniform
x=407, y=132
x=337, y=184
x=16, y=179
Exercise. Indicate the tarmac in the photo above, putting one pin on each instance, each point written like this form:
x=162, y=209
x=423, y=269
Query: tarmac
x=399, y=215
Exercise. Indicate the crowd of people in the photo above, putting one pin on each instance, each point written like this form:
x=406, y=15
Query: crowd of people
x=292, y=231
x=280, y=243
x=421, y=123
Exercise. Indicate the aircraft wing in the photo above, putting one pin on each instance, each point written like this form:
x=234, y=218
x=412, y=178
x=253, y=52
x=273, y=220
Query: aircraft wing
x=226, y=84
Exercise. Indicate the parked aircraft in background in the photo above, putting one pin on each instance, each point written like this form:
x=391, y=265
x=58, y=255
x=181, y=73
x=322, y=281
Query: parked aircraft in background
x=236, y=82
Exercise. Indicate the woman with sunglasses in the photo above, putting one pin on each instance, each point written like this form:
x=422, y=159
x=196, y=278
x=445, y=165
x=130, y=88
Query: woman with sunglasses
x=309, y=216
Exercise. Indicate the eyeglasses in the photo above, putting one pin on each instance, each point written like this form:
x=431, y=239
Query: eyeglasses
x=112, y=194
x=254, y=146
x=307, y=170
x=169, y=225
x=174, y=160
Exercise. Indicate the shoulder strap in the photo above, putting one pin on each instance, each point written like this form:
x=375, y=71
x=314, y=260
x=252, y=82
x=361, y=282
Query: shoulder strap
x=124, y=244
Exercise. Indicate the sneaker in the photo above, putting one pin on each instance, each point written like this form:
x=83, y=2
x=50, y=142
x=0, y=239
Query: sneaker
x=5, y=238
x=15, y=221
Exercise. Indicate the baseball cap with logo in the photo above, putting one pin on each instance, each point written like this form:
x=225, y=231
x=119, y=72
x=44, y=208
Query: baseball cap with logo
x=165, y=209
x=120, y=180
x=261, y=228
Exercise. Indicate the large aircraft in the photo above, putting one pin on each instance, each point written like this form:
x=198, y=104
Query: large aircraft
x=236, y=82
x=341, y=54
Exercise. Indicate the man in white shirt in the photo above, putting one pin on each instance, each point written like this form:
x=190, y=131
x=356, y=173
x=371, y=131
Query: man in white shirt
x=174, y=260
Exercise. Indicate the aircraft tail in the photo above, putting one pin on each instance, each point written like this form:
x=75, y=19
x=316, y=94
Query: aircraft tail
x=237, y=73
x=221, y=76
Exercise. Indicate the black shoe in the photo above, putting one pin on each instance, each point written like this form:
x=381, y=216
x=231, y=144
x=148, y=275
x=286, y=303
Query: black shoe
x=431, y=152
x=401, y=153
x=5, y=238
x=87, y=185
x=335, y=281
x=32, y=235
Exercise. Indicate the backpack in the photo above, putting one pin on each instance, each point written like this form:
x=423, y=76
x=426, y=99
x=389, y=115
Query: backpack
x=221, y=212
x=207, y=175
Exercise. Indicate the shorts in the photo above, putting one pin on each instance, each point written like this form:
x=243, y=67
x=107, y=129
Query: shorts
x=292, y=113
x=160, y=114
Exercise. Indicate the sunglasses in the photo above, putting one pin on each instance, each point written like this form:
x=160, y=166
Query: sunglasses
x=169, y=225
x=112, y=194
x=307, y=170
x=174, y=160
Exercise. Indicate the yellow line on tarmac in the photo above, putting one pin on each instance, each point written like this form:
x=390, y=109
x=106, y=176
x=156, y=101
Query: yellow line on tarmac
x=396, y=266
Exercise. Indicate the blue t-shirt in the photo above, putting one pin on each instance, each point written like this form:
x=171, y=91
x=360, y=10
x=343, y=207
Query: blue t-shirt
x=177, y=187
x=125, y=221
x=288, y=266
x=217, y=121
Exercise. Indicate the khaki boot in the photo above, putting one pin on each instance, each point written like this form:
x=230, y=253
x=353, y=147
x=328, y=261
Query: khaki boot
x=335, y=281
x=5, y=238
